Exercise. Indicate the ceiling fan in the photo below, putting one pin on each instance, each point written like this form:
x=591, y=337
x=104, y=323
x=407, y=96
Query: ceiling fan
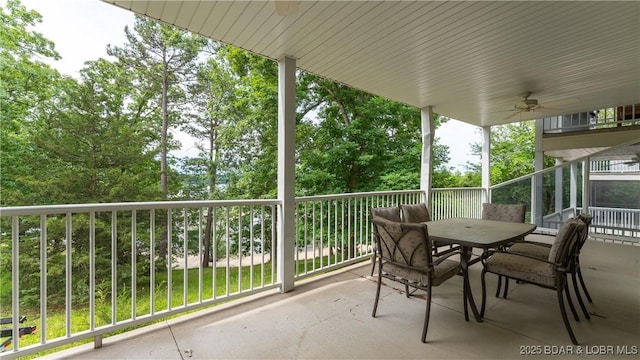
x=528, y=104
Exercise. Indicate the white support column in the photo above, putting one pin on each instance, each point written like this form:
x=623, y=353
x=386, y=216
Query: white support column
x=537, y=180
x=559, y=195
x=586, y=173
x=426, y=164
x=573, y=186
x=486, y=163
x=286, y=171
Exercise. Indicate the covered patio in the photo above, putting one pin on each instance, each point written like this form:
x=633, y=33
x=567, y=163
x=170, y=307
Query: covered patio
x=329, y=317
x=484, y=63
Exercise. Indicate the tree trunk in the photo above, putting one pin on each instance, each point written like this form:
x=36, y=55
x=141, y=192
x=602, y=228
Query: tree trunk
x=207, y=238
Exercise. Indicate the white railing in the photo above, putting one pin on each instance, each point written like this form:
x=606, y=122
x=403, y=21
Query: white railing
x=555, y=220
x=456, y=202
x=607, y=118
x=104, y=264
x=126, y=280
x=335, y=230
x=614, y=166
x=129, y=283
x=616, y=222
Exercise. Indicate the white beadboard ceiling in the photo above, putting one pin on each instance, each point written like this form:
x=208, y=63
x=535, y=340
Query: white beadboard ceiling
x=470, y=60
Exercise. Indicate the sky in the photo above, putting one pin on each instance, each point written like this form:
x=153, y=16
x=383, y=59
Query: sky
x=82, y=29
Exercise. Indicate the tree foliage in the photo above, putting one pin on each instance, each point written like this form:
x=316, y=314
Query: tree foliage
x=162, y=58
x=27, y=86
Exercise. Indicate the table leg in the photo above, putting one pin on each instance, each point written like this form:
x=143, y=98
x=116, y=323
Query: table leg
x=465, y=256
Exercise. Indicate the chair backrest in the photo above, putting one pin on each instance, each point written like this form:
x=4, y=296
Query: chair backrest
x=390, y=213
x=566, y=242
x=586, y=219
x=415, y=213
x=504, y=212
x=404, y=244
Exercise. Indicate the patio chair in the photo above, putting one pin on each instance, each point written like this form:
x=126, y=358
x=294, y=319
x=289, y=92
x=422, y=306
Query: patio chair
x=389, y=213
x=419, y=213
x=415, y=213
x=405, y=257
x=503, y=212
x=541, y=250
x=550, y=273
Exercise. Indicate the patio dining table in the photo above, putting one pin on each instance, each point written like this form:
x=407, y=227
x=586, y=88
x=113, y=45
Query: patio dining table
x=475, y=233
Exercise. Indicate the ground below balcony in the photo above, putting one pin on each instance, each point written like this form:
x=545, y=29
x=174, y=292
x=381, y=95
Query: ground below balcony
x=330, y=318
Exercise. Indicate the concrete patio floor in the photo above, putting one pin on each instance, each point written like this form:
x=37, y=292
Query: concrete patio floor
x=329, y=317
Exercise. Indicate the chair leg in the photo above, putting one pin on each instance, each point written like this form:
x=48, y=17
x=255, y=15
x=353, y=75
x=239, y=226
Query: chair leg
x=406, y=290
x=375, y=303
x=584, y=287
x=499, y=286
x=577, y=291
x=426, y=315
x=506, y=287
x=484, y=292
x=374, y=258
x=573, y=308
x=565, y=319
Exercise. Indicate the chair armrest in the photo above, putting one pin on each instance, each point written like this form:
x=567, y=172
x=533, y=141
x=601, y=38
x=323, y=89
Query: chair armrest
x=538, y=243
x=445, y=257
x=488, y=254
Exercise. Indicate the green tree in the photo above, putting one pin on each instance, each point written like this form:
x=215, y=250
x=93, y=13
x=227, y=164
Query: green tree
x=213, y=98
x=252, y=141
x=362, y=142
x=26, y=87
x=89, y=148
x=162, y=57
x=512, y=155
x=98, y=149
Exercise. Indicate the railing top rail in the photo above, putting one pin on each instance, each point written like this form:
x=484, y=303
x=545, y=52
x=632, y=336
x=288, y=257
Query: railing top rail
x=457, y=189
x=101, y=207
x=352, y=195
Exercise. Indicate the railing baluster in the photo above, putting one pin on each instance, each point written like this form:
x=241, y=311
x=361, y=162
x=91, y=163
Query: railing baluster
x=43, y=278
x=169, y=254
x=251, y=250
x=200, y=256
x=262, y=244
x=68, y=279
x=227, y=235
x=92, y=270
x=15, y=279
x=185, y=254
x=239, y=241
x=152, y=261
x=114, y=268
x=214, y=251
x=134, y=261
